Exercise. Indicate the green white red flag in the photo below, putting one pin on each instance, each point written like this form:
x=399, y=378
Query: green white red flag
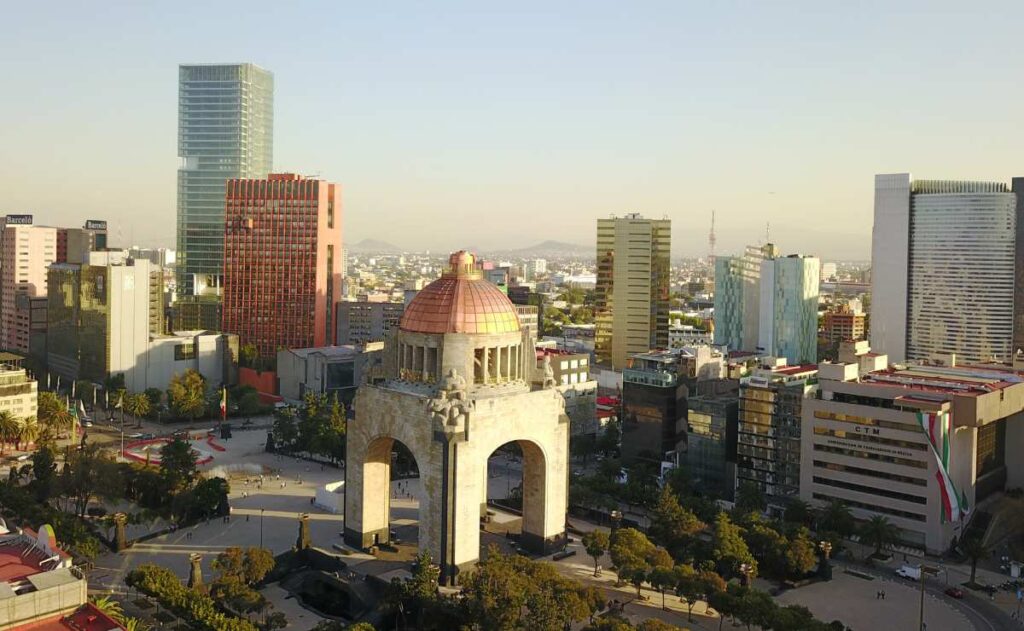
x=939, y=428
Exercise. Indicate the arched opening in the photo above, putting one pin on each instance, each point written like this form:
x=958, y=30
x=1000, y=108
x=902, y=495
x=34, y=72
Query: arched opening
x=515, y=487
x=391, y=497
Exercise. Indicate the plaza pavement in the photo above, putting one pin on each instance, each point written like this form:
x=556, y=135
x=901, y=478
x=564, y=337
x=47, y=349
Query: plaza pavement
x=277, y=508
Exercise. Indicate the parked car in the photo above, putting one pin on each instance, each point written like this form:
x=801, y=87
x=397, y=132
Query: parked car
x=954, y=592
x=909, y=572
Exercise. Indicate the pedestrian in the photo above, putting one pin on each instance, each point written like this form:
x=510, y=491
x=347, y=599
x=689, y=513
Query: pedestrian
x=883, y=594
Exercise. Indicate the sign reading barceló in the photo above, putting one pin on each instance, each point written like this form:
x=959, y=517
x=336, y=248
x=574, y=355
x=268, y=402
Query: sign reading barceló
x=95, y=224
x=18, y=220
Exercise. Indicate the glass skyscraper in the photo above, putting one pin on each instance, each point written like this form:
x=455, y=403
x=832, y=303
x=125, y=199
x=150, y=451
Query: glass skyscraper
x=946, y=270
x=225, y=131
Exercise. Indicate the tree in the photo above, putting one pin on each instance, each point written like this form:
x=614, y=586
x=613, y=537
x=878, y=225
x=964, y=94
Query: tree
x=208, y=497
x=835, y=517
x=248, y=566
x=630, y=550
x=596, y=543
x=89, y=472
x=47, y=404
x=178, y=465
x=975, y=549
x=653, y=624
x=28, y=431
x=155, y=396
x=880, y=533
x=794, y=618
x=801, y=554
x=10, y=429
x=797, y=512
x=671, y=524
x=755, y=607
x=729, y=548
x=108, y=606
x=510, y=592
x=750, y=497
x=44, y=470
x=138, y=405
x=662, y=578
x=689, y=587
x=187, y=394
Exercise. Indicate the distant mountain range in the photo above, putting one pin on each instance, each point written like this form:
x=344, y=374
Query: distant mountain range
x=540, y=250
x=556, y=248
x=373, y=246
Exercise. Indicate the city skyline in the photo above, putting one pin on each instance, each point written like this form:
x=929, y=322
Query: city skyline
x=777, y=116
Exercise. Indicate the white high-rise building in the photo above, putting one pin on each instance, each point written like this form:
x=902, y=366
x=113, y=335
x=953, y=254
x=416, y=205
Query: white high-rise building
x=943, y=263
x=788, y=309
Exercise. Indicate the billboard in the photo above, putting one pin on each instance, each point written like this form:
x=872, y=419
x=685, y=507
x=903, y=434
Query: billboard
x=95, y=224
x=18, y=220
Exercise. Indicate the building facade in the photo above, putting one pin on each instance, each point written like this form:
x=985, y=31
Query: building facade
x=331, y=370
x=945, y=260
x=19, y=392
x=363, y=321
x=632, y=290
x=769, y=430
x=883, y=439
x=106, y=318
x=843, y=324
x=25, y=253
x=738, y=297
x=711, y=420
x=282, y=262
x=788, y=308
x=529, y=319
x=225, y=131
x=653, y=406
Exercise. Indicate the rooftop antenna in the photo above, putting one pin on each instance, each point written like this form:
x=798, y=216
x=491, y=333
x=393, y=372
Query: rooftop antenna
x=768, y=232
x=711, y=239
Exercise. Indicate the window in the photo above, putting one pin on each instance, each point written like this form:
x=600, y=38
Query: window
x=185, y=351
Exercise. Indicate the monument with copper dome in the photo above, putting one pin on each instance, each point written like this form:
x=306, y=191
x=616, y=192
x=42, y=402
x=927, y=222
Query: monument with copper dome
x=455, y=386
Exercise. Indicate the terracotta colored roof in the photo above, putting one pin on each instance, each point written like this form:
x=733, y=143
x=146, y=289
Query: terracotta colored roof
x=461, y=301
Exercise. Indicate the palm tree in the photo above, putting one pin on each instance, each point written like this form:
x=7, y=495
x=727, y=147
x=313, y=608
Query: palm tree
x=109, y=606
x=975, y=549
x=835, y=517
x=879, y=532
x=61, y=419
x=9, y=428
x=48, y=403
x=137, y=405
x=29, y=430
x=135, y=624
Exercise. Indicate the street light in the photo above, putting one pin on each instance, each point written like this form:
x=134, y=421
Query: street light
x=747, y=570
x=261, y=526
x=925, y=569
x=826, y=568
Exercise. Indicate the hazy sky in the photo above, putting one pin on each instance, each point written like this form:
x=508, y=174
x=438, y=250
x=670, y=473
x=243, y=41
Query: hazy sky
x=462, y=122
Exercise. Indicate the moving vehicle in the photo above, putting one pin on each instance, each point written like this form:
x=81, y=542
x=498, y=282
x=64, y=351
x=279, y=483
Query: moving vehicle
x=909, y=572
x=954, y=592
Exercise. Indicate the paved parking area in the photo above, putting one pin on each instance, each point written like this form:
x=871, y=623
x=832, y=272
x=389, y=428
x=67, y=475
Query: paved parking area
x=853, y=600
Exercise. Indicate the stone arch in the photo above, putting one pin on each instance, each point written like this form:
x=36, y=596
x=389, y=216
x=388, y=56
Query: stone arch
x=535, y=472
x=370, y=488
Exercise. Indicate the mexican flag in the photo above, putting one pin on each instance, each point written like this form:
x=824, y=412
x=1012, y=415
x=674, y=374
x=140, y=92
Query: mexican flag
x=938, y=427
x=223, y=403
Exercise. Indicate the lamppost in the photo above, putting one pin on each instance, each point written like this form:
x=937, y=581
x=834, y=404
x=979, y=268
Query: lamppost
x=747, y=569
x=826, y=568
x=616, y=519
x=261, y=526
x=925, y=569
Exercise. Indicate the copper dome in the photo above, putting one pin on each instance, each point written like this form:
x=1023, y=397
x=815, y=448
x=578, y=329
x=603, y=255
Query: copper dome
x=461, y=301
